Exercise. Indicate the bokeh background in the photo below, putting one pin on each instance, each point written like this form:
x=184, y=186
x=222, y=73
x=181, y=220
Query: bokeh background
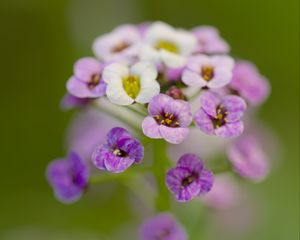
x=40, y=40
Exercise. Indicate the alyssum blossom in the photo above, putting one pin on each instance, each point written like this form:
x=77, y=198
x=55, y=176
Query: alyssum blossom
x=128, y=85
x=68, y=177
x=162, y=227
x=220, y=116
x=87, y=79
x=119, y=153
x=189, y=179
x=169, y=119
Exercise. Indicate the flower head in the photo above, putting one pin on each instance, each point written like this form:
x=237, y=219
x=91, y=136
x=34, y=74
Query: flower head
x=162, y=227
x=189, y=179
x=164, y=44
x=206, y=71
x=169, y=119
x=128, y=85
x=122, y=44
x=220, y=116
x=209, y=41
x=248, y=158
x=87, y=79
x=119, y=153
x=68, y=177
x=248, y=83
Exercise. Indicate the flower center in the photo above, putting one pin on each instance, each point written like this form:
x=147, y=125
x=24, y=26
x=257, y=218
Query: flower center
x=167, y=119
x=119, y=152
x=207, y=72
x=189, y=180
x=163, y=234
x=94, y=81
x=220, y=119
x=167, y=45
x=119, y=47
x=132, y=86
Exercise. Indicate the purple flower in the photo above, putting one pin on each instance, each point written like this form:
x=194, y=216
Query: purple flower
x=68, y=177
x=162, y=227
x=206, y=71
x=119, y=153
x=189, y=179
x=209, y=41
x=248, y=158
x=87, y=79
x=248, y=83
x=169, y=119
x=69, y=101
x=220, y=116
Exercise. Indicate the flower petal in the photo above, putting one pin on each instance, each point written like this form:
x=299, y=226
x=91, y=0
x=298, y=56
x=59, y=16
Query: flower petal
x=117, y=164
x=151, y=128
x=158, y=103
x=235, y=106
x=204, y=122
x=173, y=135
x=84, y=68
x=193, y=79
x=209, y=102
x=190, y=161
x=230, y=130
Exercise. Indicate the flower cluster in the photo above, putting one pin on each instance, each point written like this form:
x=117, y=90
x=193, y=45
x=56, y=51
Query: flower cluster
x=164, y=83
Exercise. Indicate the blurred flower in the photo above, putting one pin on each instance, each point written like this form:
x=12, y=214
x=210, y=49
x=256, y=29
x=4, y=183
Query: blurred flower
x=68, y=177
x=122, y=44
x=220, y=116
x=126, y=86
x=189, y=179
x=248, y=157
x=209, y=41
x=173, y=74
x=120, y=152
x=69, y=101
x=87, y=80
x=175, y=93
x=225, y=193
x=206, y=71
x=169, y=119
x=162, y=227
x=165, y=44
x=248, y=83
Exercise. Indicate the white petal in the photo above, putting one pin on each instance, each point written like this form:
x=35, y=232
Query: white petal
x=148, y=53
x=114, y=72
x=171, y=59
x=158, y=31
x=145, y=70
x=148, y=90
x=186, y=42
x=116, y=93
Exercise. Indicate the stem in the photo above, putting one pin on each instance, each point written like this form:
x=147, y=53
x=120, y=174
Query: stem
x=136, y=108
x=160, y=165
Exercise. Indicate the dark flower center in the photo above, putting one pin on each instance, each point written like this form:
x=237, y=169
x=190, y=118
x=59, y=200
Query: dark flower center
x=220, y=119
x=119, y=152
x=207, y=72
x=163, y=234
x=167, y=119
x=94, y=81
x=120, y=47
x=189, y=180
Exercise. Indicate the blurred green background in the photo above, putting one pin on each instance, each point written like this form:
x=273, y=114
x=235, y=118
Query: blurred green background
x=40, y=40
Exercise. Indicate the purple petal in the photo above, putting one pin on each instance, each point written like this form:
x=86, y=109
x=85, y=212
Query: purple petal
x=69, y=101
x=117, y=164
x=132, y=147
x=206, y=180
x=235, y=106
x=182, y=110
x=99, y=155
x=209, y=102
x=193, y=79
x=191, y=162
x=84, y=68
x=230, y=130
x=157, y=104
x=173, y=135
x=204, y=122
x=151, y=128
x=115, y=134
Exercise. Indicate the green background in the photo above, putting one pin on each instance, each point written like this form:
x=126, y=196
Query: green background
x=39, y=42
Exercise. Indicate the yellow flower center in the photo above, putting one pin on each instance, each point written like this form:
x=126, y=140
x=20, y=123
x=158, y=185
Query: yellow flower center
x=220, y=118
x=207, y=72
x=167, y=119
x=167, y=45
x=132, y=86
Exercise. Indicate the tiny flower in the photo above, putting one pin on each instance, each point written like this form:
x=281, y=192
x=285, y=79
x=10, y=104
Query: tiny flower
x=209, y=41
x=249, y=84
x=248, y=158
x=189, y=179
x=175, y=93
x=69, y=101
x=119, y=153
x=68, y=177
x=220, y=116
x=87, y=80
x=169, y=119
x=164, y=44
x=162, y=227
x=206, y=71
x=128, y=85
x=122, y=44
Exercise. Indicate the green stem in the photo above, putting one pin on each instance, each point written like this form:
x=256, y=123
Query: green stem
x=160, y=165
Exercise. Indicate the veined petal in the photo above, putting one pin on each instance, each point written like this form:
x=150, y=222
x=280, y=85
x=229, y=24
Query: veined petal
x=230, y=130
x=173, y=135
x=151, y=128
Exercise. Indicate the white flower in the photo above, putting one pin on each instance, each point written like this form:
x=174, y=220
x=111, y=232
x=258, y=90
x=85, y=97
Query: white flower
x=167, y=45
x=128, y=85
x=121, y=44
